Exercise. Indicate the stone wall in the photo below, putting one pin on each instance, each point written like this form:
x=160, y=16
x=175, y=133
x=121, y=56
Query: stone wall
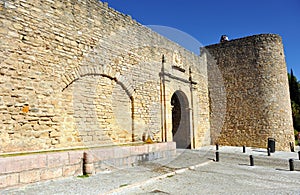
x=79, y=74
x=249, y=92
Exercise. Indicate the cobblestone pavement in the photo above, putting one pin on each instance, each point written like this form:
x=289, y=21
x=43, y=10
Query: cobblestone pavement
x=190, y=172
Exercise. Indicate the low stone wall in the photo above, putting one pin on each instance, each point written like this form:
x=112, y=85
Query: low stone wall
x=21, y=170
x=97, y=160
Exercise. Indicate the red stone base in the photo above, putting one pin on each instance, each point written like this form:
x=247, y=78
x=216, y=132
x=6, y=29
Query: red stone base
x=20, y=170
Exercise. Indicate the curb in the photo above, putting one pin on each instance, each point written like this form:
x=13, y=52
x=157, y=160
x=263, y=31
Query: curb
x=135, y=185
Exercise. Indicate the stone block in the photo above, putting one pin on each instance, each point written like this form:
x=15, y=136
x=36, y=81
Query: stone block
x=102, y=154
x=9, y=180
x=22, y=163
x=53, y=173
x=75, y=157
x=121, y=152
x=136, y=150
x=57, y=159
x=29, y=176
x=72, y=170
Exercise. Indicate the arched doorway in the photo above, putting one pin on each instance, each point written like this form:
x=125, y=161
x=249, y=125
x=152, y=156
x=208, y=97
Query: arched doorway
x=181, y=120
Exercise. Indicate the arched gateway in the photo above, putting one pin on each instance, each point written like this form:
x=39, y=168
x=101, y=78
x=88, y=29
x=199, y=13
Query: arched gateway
x=181, y=120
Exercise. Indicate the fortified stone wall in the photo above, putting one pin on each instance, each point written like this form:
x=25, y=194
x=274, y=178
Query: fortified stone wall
x=252, y=96
x=77, y=73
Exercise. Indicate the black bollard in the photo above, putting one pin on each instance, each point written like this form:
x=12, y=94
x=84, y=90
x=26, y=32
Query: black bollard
x=217, y=146
x=84, y=162
x=244, y=149
x=217, y=157
x=291, y=163
x=269, y=152
x=299, y=155
x=251, y=160
x=292, y=147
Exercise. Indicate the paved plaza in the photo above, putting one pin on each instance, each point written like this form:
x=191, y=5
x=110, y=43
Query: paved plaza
x=190, y=172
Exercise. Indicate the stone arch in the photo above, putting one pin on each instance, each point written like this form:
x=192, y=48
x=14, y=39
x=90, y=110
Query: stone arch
x=106, y=71
x=124, y=84
x=181, y=128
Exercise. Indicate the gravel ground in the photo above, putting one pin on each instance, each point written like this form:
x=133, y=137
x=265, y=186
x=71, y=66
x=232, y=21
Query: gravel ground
x=190, y=172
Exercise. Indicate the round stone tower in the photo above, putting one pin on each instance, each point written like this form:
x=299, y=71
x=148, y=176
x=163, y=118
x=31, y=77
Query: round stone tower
x=255, y=83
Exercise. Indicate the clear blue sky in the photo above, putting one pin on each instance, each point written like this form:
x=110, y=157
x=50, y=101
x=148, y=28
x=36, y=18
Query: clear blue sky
x=207, y=20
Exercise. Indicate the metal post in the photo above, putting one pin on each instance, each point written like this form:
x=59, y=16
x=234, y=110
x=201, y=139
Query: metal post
x=217, y=146
x=292, y=147
x=269, y=153
x=299, y=155
x=251, y=160
x=217, y=157
x=291, y=163
x=244, y=149
x=84, y=162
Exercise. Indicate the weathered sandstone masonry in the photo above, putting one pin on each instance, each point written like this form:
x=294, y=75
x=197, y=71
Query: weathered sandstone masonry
x=77, y=74
x=249, y=92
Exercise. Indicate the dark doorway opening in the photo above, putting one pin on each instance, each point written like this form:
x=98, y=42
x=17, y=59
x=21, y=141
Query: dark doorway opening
x=181, y=120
